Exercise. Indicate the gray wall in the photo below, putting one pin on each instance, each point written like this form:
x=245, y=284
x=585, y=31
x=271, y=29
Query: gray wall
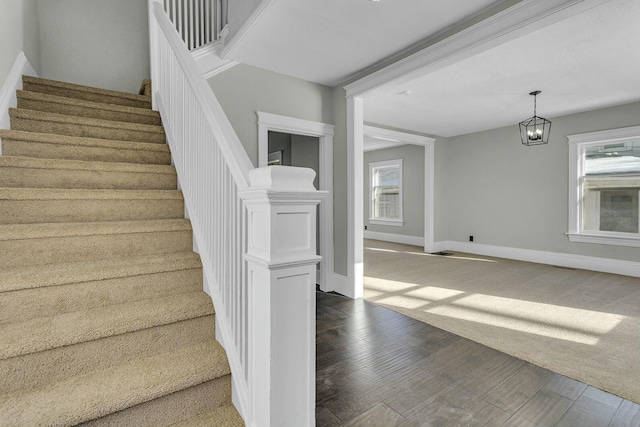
x=19, y=31
x=95, y=42
x=412, y=189
x=243, y=90
x=506, y=194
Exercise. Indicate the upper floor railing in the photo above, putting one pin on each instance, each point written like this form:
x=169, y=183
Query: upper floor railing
x=199, y=22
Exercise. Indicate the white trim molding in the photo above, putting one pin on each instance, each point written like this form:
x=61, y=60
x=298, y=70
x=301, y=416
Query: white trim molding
x=516, y=21
x=324, y=132
x=386, y=221
x=13, y=83
x=578, y=143
x=605, y=265
x=394, y=238
x=232, y=44
x=340, y=284
x=428, y=143
x=209, y=61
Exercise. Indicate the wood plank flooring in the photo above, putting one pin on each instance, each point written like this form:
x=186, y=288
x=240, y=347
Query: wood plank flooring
x=376, y=367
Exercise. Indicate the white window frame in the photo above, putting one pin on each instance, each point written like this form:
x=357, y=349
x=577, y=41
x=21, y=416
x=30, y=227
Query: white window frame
x=578, y=144
x=396, y=222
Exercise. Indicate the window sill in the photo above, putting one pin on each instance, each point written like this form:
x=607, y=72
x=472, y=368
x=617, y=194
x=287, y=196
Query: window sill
x=617, y=239
x=392, y=222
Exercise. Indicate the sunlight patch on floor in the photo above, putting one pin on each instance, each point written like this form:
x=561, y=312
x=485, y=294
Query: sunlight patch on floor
x=559, y=322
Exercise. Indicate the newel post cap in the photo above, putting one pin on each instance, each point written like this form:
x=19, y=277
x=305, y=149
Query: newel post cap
x=282, y=178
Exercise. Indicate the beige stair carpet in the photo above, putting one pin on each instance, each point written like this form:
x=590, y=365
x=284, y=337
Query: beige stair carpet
x=103, y=321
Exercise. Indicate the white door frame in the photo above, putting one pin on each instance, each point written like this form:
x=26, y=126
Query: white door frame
x=515, y=21
x=324, y=132
x=406, y=138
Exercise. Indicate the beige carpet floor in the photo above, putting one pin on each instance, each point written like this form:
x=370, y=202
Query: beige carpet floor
x=582, y=324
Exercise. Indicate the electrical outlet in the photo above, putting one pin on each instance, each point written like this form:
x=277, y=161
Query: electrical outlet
x=365, y=227
x=471, y=238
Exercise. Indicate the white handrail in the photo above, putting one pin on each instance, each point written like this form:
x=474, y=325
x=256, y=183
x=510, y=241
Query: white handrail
x=212, y=168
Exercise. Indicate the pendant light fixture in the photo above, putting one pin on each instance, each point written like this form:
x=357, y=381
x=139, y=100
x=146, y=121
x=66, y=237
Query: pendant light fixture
x=535, y=130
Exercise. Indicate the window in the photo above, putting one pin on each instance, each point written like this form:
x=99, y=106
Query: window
x=385, y=181
x=604, y=202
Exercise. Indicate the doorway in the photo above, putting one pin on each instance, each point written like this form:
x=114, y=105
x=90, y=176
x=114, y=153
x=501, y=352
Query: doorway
x=311, y=146
x=286, y=149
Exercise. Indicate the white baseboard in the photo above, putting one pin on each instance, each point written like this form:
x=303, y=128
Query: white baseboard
x=439, y=246
x=394, y=238
x=12, y=83
x=605, y=265
x=337, y=283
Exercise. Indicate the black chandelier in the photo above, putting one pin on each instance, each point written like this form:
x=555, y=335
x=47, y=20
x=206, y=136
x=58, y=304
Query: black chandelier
x=535, y=130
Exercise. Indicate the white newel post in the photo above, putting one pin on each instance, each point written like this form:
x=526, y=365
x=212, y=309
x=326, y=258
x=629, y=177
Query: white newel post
x=281, y=268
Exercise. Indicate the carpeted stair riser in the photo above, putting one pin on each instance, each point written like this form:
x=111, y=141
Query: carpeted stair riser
x=50, y=146
x=37, y=121
x=81, y=206
x=224, y=416
x=25, y=248
x=86, y=93
x=173, y=408
x=88, y=397
x=49, y=332
x=19, y=172
x=56, y=364
x=41, y=276
x=27, y=304
x=57, y=104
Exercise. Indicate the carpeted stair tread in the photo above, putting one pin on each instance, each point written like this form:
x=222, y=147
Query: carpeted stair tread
x=86, y=194
x=83, y=398
x=39, y=121
x=53, y=243
x=224, y=416
x=65, y=329
x=38, y=101
x=13, y=279
x=37, y=84
x=172, y=408
x=25, y=304
x=59, y=164
x=38, y=205
x=81, y=145
x=45, y=367
x=76, y=229
x=25, y=172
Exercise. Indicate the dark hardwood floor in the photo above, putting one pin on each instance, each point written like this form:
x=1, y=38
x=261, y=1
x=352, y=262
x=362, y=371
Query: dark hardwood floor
x=375, y=367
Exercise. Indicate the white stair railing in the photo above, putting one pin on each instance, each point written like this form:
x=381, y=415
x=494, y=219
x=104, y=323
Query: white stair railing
x=199, y=22
x=255, y=232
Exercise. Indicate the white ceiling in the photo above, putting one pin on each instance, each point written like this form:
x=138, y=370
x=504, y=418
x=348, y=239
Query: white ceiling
x=327, y=41
x=589, y=61
x=585, y=62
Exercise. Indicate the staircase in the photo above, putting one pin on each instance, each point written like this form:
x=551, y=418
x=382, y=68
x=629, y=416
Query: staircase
x=103, y=320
